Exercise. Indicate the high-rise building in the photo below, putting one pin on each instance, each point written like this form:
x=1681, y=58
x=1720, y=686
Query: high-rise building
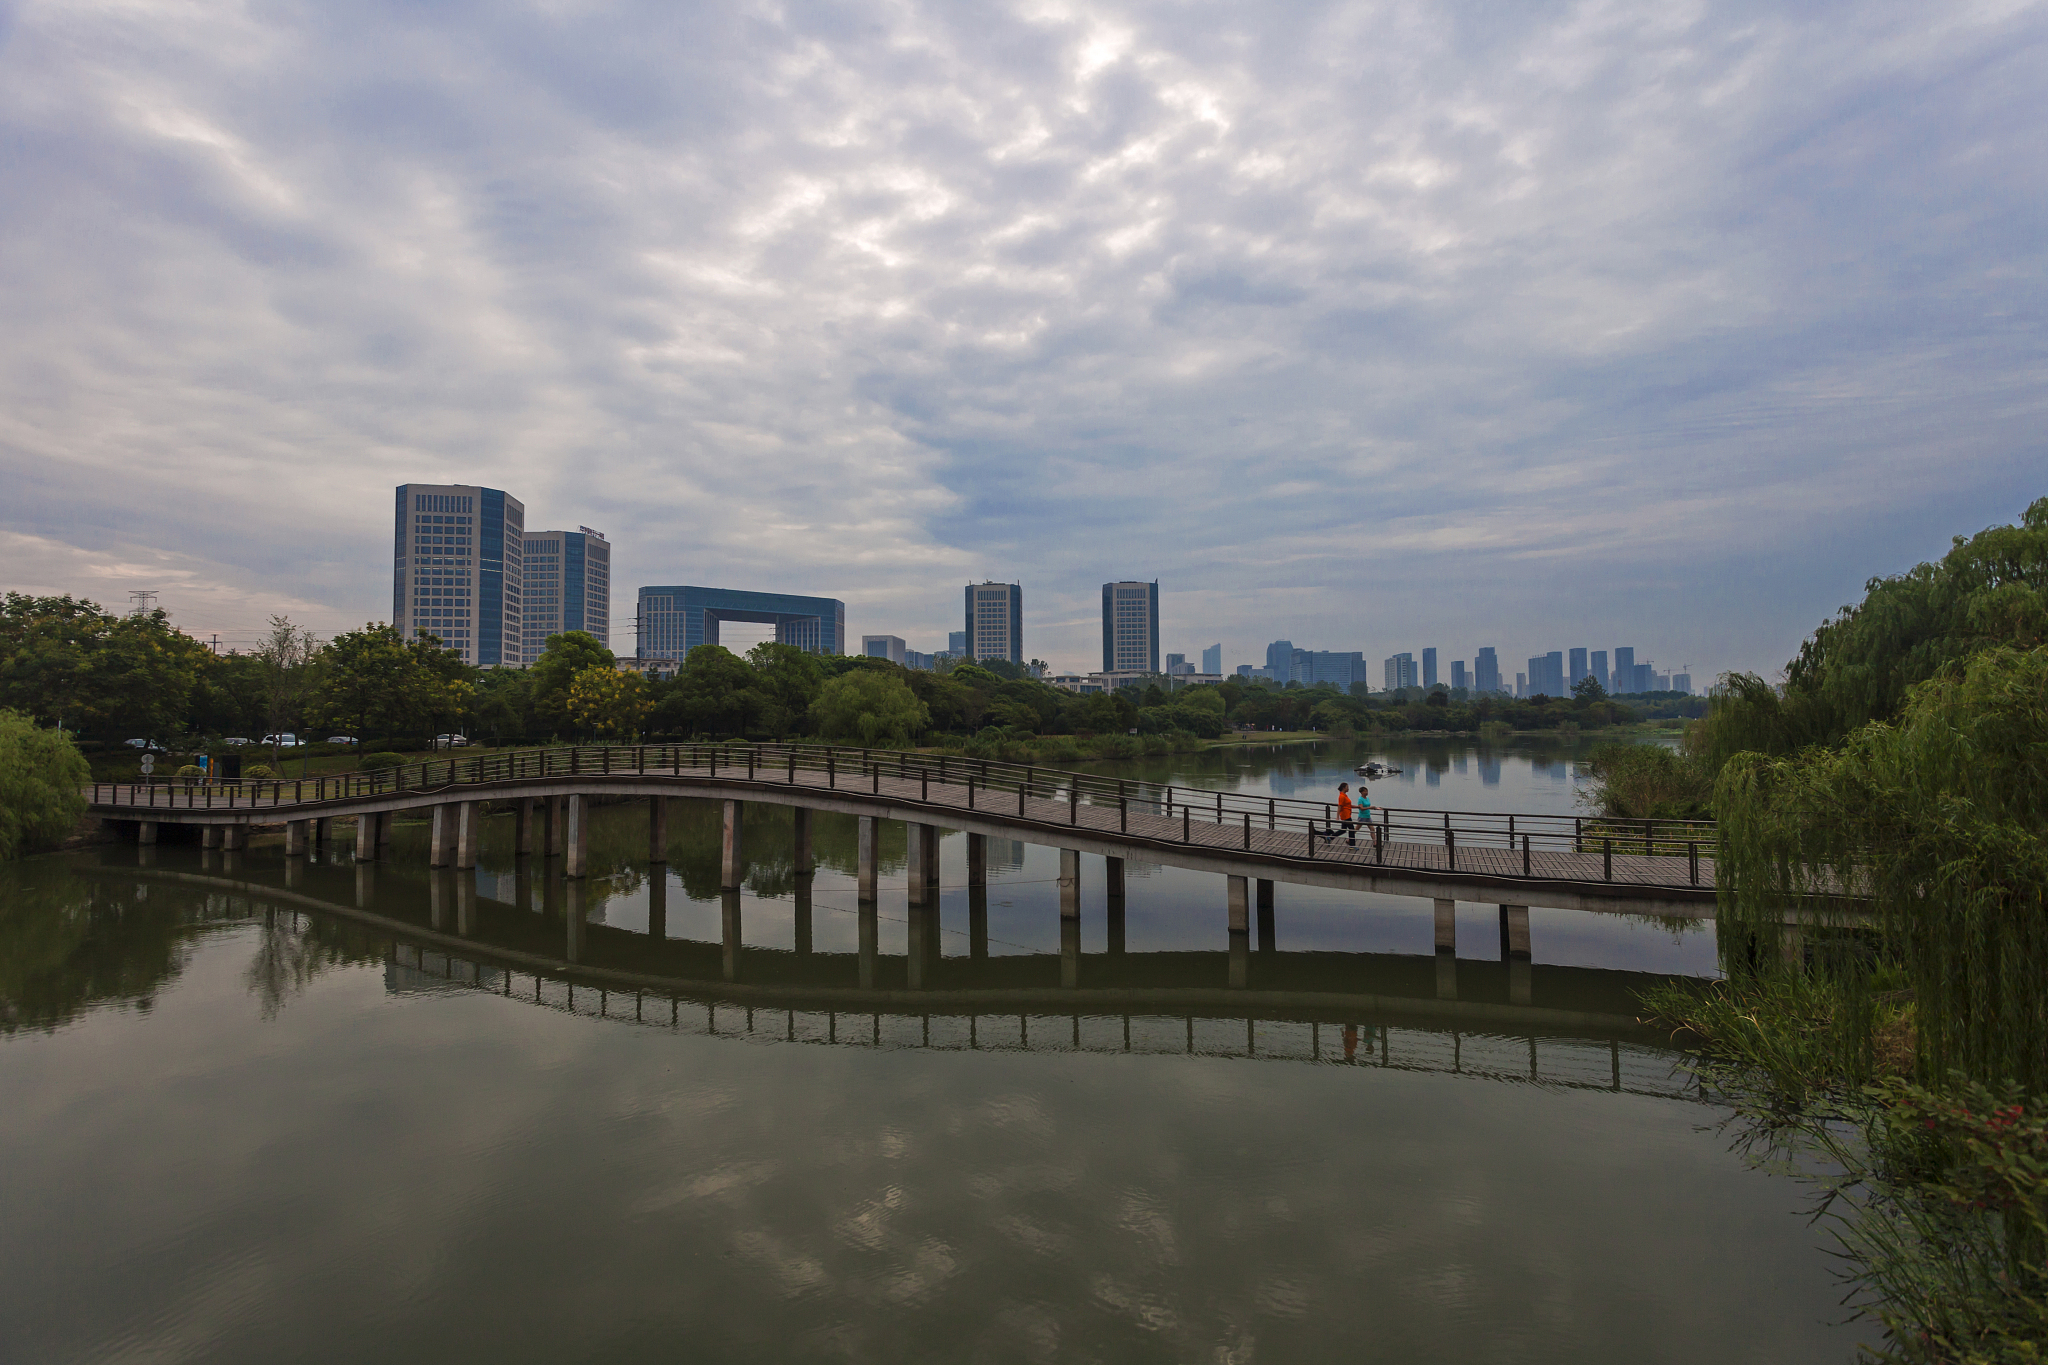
x=995, y=622
x=1336, y=667
x=1625, y=670
x=675, y=620
x=1429, y=667
x=1177, y=666
x=568, y=586
x=1280, y=661
x=1682, y=682
x=457, y=570
x=1130, y=627
x=1212, y=660
x=1460, y=678
x=1486, y=671
x=1521, y=684
x=1598, y=668
x=1400, y=671
x=956, y=644
x=888, y=647
x=1546, y=675
x=1578, y=668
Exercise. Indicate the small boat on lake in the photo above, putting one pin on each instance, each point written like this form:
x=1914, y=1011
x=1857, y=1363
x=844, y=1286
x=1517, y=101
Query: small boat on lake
x=1375, y=768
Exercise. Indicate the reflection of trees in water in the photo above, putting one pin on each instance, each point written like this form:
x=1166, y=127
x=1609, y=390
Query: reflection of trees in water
x=618, y=846
x=294, y=949
x=68, y=943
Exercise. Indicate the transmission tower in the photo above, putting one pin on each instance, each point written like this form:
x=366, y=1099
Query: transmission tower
x=145, y=602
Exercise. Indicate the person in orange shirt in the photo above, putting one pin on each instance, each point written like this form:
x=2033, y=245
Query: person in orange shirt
x=1344, y=814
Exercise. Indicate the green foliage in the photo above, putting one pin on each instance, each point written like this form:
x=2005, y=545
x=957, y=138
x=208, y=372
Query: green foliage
x=1649, y=782
x=788, y=680
x=872, y=707
x=64, y=659
x=378, y=762
x=375, y=679
x=41, y=772
x=562, y=658
x=1938, y=821
x=607, y=702
x=259, y=772
x=190, y=770
x=714, y=693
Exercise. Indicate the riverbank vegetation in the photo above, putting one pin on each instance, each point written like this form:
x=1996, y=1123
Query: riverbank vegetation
x=1883, y=926
x=40, y=777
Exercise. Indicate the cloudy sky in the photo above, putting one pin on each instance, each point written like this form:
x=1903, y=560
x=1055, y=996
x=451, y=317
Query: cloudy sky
x=1369, y=325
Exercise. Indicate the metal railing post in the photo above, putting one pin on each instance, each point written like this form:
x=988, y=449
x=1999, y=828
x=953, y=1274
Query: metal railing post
x=1123, y=814
x=1185, y=827
x=1450, y=846
x=1247, y=831
x=1525, y=855
x=1607, y=858
x=1692, y=858
x=1074, y=802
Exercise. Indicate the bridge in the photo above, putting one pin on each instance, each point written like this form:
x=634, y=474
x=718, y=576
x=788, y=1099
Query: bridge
x=1657, y=867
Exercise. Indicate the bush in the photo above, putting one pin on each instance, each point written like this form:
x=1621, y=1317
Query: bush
x=41, y=772
x=372, y=763
x=260, y=772
x=191, y=770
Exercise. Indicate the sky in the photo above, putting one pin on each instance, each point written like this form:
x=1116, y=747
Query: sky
x=1370, y=326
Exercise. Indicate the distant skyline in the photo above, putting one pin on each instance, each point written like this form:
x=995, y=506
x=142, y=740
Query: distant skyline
x=1366, y=327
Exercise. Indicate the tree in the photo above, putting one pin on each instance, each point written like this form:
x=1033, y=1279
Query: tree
x=1588, y=690
x=286, y=656
x=788, y=681
x=870, y=706
x=714, y=693
x=608, y=702
x=41, y=773
x=64, y=660
x=374, y=678
x=562, y=657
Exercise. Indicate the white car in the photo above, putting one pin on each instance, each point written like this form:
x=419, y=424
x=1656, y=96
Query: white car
x=282, y=741
x=341, y=739
x=236, y=742
x=450, y=741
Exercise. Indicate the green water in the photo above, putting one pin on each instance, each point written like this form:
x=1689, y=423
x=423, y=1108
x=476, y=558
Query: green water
x=241, y=1126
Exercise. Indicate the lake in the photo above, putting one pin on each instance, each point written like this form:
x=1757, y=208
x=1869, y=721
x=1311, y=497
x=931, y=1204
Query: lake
x=260, y=1111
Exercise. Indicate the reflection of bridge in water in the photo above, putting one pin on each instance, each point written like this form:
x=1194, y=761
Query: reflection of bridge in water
x=1511, y=1019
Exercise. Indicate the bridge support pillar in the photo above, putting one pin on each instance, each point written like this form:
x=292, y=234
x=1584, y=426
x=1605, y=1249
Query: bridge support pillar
x=294, y=873
x=576, y=841
x=465, y=904
x=977, y=861
x=554, y=812
x=366, y=838
x=366, y=884
x=1113, y=869
x=1514, y=933
x=657, y=829
x=440, y=890
x=1113, y=876
x=387, y=822
x=729, y=928
x=209, y=836
x=318, y=832
x=923, y=955
x=732, y=860
x=1267, y=939
x=145, y=832
x=1070, y=952
x=870, y=935
x=572, y=910
x=1792, y=945
x=803, y=914
x=922, y=846
x=1070, y=884
x=657, y=907
x=1446, y=950
x=294, y=838
x=522, y=826
x=805, y=862
x=1240, y=932
x=468, y=831
x=233, y=838
x=441, y=838
x=977, y=922
x=864, y=876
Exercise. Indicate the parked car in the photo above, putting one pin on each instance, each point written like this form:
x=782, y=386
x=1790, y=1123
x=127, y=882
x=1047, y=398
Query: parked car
x=238, y=742
x=450, y=741
x=341, y=739
x=282, y=741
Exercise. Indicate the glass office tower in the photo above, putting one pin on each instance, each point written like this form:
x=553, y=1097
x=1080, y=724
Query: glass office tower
x=675, y=620
x=568, y=587
x=1130, y=627
x=995, y=622
x=457, y=570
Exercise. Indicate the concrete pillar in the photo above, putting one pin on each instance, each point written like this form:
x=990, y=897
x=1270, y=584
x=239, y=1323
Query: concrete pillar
x=1514, y=933
x=576, y=836
x=294, y=873
x=1070, y=884
x=729, y=918
x=870, y=855
x=387, y=822
x=1519, y=971
x=923, y=850
x=468, y=832
x=234, y=838
x=1240, y=932
x=805, y=861
x=803, y=914
x=1070, y=951
x=572, y=911
x=657, y=829
x=319, y=832
x=209, y=836
x=522, y=817
x=923, y=939
x=366, y=884
x=1114, y=867
x=977, y=860
x=1240, y=908
x=145, y=832
x=1267, y=940
x=977, y=922
x=657, y=906
x=294, y=838
x=870, y=935
x=366, y=839
x=441, y=837
x=1446, y=976
x=732, y=863
x=554, y=811
x=1792, y=945
x=1240, y=961
x=1447, y=927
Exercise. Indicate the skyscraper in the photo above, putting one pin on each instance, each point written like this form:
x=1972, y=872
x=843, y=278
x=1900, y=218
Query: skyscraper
x=956, y=644
x=1682, y=682
x=1578, y=668
x=1130, y=627
x=888, y=647
x=1546, y=675
x=1212, y=660
x=1625, y=669
x=1400, y=670
x=1280, y=661
x=1429, y=667
x=1599, y=670
x=1460, y=677
x=1486, y=671
x=995, y=622
x=568, y=586
x=457, y=570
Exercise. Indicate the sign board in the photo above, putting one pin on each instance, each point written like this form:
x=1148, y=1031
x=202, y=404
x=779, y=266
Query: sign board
x=148, y=764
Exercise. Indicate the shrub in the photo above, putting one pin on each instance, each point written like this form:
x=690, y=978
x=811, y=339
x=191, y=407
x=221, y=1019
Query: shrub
x=378, y=762
x=41, y=772
x=191, y=770
x=259, y=771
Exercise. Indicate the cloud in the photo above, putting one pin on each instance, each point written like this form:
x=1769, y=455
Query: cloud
x=1368, y=325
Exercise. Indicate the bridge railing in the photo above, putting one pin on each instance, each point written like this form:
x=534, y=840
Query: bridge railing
x=1159, y=811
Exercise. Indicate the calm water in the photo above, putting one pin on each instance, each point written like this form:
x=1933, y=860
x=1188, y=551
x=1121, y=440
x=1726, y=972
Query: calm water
x=240, y=1126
